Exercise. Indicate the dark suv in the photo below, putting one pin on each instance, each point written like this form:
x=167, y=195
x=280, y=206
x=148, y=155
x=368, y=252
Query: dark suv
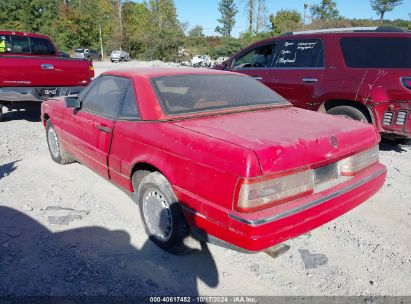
x=360, y=73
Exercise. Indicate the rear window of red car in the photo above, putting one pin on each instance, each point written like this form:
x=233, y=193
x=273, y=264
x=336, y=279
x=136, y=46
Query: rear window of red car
x=198, y=93
x=377, y=52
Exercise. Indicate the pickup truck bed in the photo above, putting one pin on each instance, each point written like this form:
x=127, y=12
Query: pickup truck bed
x=24, y=78
x=33, y=74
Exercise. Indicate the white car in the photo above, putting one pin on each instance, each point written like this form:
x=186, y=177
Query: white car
x=117, y=56
x=203, y=61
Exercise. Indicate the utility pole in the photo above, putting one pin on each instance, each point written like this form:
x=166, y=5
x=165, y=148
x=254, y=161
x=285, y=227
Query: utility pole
x=251, y=15
x=305, y=14
x=121, y=23
x=101, y=44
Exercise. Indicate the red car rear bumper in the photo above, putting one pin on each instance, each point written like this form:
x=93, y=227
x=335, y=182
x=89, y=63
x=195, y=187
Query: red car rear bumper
x=261, y=230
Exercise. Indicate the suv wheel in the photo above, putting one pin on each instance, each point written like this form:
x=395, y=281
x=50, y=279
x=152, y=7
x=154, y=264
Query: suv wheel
x=161, y=213
x=348, y=112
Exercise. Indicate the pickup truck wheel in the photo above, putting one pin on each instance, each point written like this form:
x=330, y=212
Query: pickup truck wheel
x=348, y=112
x=56, y=150
x=161, y=213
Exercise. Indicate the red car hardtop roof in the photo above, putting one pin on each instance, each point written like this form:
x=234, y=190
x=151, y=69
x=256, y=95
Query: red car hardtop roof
x=151, y=72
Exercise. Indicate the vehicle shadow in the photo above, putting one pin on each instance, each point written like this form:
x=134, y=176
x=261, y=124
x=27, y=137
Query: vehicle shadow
x=31, y=113
x=8, y=168
x=388, y=145
x=92, y=261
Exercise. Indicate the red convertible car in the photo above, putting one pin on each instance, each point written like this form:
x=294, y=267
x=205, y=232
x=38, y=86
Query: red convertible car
x=215, y=153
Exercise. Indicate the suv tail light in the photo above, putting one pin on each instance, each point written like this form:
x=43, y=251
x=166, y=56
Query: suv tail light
x=401, y=118
x=91, y=71
x=255, y=194
x=387, y=119
x=406, y=82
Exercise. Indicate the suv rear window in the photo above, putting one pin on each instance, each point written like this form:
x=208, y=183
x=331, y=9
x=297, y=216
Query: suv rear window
x=377, y=52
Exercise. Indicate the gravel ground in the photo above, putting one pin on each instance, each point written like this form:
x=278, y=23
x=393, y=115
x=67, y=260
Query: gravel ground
x=66, y=231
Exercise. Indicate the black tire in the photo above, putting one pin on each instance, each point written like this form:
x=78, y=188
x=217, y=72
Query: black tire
x=59, y=155
x=348, y=112
x=161, y=213
x=1, y=112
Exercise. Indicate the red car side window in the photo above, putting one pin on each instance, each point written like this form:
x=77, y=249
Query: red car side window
x=104, y=96
x=129, y=108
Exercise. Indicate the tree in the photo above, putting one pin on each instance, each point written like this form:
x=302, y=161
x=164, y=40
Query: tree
x=326, y=10
x=28, y=15
x=228, y=10
x=250, y=8
x=383, y=6
x=196, y=31
x=261, y=21
x=165, y=36
x=136, y=26
x=285, y=21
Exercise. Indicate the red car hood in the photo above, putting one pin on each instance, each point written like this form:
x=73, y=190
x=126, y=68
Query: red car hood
x=287, y=138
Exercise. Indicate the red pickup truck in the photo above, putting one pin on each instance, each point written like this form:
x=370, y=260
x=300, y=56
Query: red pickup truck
x=31, y=70
x=215, y=151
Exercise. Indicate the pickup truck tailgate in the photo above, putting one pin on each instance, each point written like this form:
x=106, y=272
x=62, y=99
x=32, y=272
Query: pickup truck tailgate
x=42, y=71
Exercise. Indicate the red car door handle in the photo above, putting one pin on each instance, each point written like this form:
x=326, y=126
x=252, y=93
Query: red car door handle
x=310, y=79
x=104, y=129
x=258, y=77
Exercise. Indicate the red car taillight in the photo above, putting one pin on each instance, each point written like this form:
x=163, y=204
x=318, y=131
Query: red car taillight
x=354, y=164
x=406, y=82
x=258, y=193
x=91, y=71
x=253, y=194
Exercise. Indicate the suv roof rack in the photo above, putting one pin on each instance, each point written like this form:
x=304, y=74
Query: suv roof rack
x=347, y=29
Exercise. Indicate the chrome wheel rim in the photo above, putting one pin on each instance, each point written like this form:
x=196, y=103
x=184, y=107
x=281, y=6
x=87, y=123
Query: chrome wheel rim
x=157, y=214
x=53, y=142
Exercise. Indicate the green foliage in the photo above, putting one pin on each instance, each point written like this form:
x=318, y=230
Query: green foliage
x=152, y=31
x=228, y=10
x=79, y=29
x=228, y=47
x=326, y=10
x=196, y=31
x=28, y=15
x=383, y=6
x=285, y=21
x=135, y=27
x=165, y=35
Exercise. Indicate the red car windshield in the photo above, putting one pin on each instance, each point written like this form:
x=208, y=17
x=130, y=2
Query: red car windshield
x=199, y=93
